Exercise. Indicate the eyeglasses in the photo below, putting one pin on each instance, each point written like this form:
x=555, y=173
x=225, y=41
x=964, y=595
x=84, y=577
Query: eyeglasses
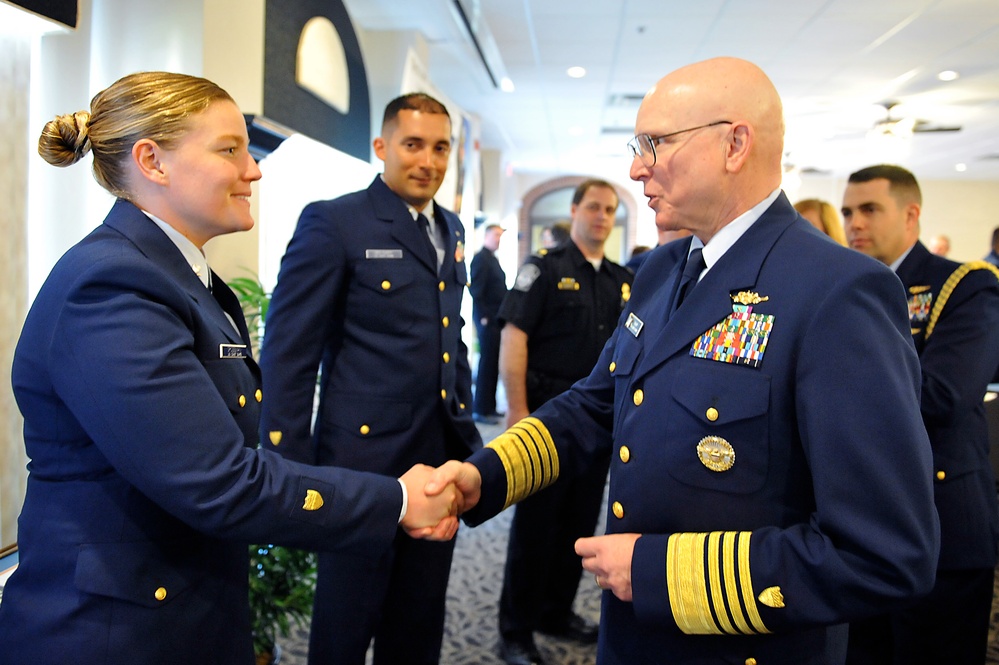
x=643, y=146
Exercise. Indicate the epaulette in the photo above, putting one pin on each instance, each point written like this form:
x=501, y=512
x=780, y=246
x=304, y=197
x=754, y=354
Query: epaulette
x=951, y=284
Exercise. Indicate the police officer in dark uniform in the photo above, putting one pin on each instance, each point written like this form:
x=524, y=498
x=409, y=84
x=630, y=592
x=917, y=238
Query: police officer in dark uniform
x=562, y=309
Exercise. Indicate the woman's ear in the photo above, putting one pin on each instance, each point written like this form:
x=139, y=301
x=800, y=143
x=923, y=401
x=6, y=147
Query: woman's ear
x=146, y=155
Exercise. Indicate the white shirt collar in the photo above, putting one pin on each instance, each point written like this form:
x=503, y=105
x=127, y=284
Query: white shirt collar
x=194, y=256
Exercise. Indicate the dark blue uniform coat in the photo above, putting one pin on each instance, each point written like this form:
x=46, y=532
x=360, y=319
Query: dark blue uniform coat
x=958, y=356
x=779, y=488
x=359, y=294
x=145, y=484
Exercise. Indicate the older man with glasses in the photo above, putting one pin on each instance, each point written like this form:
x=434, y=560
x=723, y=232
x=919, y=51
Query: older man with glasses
x=747, y=519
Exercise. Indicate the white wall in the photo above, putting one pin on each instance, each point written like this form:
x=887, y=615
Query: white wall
x=965, y=211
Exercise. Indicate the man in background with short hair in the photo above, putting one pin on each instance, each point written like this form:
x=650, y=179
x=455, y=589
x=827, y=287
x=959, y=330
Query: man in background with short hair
x=954, y=317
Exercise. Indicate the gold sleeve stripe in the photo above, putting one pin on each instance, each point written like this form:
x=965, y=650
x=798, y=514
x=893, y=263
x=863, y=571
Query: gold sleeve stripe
x=950, y=285
x=746, y=581
x=710, y=585
x=529, y=458
x=714, y=562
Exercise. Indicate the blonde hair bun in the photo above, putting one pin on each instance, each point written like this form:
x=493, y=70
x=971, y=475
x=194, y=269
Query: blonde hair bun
x=66, y=139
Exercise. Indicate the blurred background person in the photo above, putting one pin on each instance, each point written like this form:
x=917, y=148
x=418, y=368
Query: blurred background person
x=993, y=255
x=554, y=235
x=822, y=216
x=636, y=260
x=487, y=284
x=939, y=245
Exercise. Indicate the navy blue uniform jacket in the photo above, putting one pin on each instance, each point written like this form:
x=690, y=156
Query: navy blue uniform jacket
x=954, y=315
x=145, y=484
x=810, y=500
x=358, y=293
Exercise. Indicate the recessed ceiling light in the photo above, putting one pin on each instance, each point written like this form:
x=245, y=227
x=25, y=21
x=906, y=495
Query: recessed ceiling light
x=948, y=75
x=506, y=85
x=576, y=72
x=960, y=168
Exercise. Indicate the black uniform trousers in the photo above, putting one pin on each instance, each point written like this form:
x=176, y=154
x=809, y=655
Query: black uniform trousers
x=542, y=569
x=487, y=376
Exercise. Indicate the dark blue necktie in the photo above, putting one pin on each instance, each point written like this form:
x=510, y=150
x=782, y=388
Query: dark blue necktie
x=424, y=224
x=695, y=266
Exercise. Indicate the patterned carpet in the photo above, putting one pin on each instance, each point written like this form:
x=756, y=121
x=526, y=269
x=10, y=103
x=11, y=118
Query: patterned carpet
x=470, y=634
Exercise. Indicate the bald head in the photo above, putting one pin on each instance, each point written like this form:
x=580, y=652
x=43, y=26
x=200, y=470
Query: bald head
x=729, y=161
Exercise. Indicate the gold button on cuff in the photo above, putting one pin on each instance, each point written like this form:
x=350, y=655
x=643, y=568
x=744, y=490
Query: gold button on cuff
x=447, y=357
x=617, y=509
x=711, y=414
x=242, y=401
x=750, y=661
x=365, y=430
x=613, y=366
x=160, y=594
x=941, y=475
x=386, y=285
x=441, y=286
x=443, y=394
x=461, y=405
x=259, y=395
x=445, y=322
x=638, y=397
x=625, y=454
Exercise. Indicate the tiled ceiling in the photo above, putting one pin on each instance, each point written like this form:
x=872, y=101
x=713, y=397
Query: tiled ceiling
x=833, y=62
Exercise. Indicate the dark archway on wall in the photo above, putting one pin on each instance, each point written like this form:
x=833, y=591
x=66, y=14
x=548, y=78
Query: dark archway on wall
x=533, y=218
x=288, y=104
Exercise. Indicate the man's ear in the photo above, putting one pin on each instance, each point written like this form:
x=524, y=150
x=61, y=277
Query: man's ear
x=379, y=145
x=146, y=155
x=740, y=143
x=912, y=215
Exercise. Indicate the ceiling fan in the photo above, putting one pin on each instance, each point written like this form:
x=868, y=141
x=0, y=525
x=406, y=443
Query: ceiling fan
x=905, y=127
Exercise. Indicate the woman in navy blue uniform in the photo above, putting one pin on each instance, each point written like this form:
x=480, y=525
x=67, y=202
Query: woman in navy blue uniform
x=141, y=403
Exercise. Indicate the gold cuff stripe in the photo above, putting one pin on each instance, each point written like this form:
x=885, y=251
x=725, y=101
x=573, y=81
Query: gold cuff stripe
x=746, y=581
x=688, y=596
x=529, y=458
x=710, y=584
x=714, y=563
x=950, y=285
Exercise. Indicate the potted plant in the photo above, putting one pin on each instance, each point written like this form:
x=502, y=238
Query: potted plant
x=282, y=579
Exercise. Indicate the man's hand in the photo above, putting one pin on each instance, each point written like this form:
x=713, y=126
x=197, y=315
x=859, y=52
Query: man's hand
x=461, y=476
x=609, y=559
x=431, y=517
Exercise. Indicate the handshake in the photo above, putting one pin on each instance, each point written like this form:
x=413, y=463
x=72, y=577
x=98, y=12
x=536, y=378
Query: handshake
x=437, y=497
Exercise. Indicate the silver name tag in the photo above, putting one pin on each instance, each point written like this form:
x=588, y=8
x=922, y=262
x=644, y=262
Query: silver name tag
x=634, y=324
x=233, y=351
x=383, y=253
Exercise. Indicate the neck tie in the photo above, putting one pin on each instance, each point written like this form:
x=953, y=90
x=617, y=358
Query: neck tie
x=424, y=224
x=695, y=266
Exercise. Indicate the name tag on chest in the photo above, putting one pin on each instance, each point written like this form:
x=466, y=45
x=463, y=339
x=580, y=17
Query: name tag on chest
x=233, y=351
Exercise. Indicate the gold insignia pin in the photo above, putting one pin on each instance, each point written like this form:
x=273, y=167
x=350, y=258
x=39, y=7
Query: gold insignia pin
x=918, y=289
x=313, y=500
x=568, y=284
x=275, y=437
x=749, y=298
x=772, y=597
x=626, y=292
x=716, y=453
x=459, y=252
